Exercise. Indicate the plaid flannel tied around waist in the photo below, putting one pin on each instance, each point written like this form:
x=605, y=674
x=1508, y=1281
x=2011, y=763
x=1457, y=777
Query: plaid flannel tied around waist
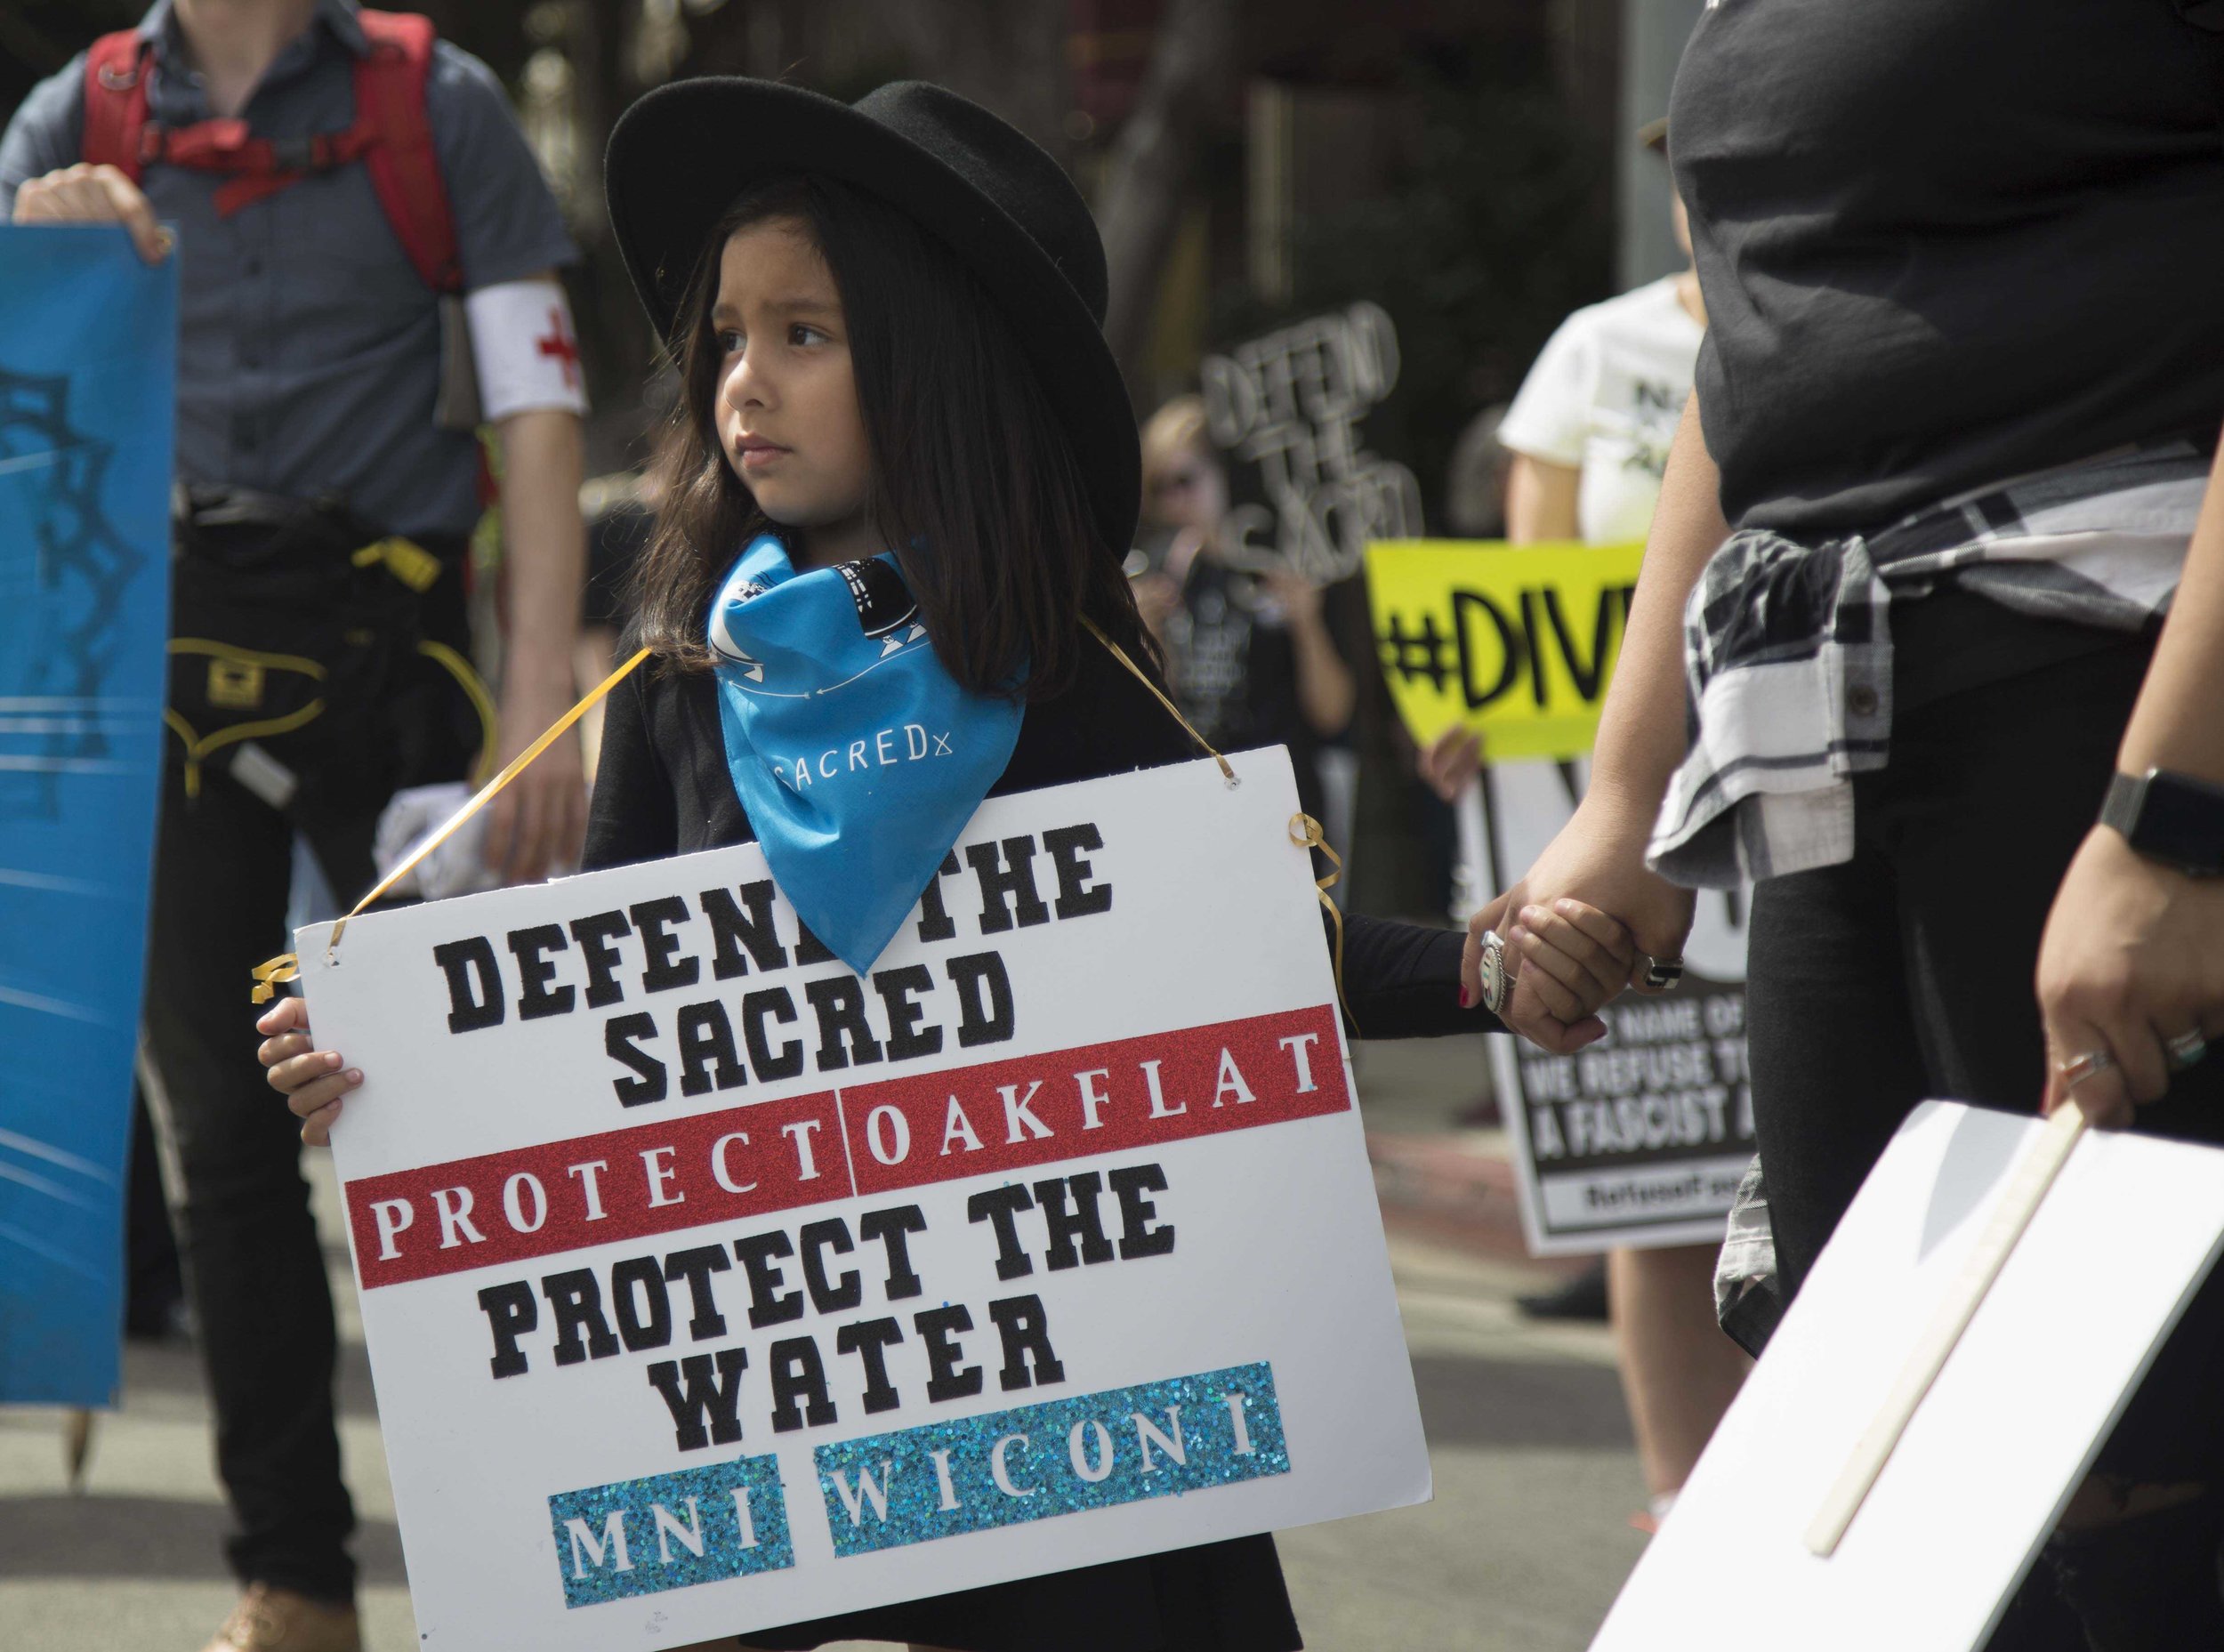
x=1788, y=647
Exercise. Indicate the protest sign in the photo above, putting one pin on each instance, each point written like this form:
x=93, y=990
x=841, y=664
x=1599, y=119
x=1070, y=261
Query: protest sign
x=1641, y=1139
x=2005, y=1435
x=1515, y=642
x=1291, y=403
x=708, y=1285
x=88, y=352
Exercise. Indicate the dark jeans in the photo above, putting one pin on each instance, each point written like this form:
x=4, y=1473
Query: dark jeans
x=1908, y=973
x=253, y=1267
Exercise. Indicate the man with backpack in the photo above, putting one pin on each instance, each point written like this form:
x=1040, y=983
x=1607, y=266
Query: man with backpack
x=368, y=274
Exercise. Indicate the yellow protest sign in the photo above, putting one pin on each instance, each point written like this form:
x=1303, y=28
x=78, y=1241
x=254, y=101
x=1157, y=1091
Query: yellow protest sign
x=1517, y=642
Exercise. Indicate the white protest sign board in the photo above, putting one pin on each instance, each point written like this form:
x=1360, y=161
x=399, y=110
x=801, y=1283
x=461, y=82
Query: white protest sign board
x=1999, y=1443
x=709, y=1287
x=1641, y=1137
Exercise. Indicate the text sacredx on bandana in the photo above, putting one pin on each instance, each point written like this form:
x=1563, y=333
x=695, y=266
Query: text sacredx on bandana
x=709, y=1287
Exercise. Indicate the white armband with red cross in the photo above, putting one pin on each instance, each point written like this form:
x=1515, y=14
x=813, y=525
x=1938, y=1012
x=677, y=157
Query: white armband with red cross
x=525, y=349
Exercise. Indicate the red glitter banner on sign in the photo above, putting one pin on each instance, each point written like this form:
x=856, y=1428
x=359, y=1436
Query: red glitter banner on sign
x=560, y=1195
x=1108, y=1098
x=744, y=1162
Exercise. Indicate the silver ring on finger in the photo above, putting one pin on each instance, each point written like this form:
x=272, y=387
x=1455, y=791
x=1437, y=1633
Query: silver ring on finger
x=1498, y=983
x=2186, y=1049
x=1663, y=974
x=2078, y=1068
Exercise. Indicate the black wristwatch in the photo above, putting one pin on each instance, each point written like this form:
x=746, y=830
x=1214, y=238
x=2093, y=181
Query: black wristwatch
x=2173, y=819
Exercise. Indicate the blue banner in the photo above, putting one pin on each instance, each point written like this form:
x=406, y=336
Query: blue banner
x=88, y=368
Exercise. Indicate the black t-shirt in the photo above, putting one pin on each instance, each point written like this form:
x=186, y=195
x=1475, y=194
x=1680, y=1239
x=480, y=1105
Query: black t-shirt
x=1947, y=242
x=1234, y=667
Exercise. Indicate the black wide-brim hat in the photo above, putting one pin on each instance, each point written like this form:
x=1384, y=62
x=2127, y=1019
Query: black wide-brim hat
x=682, y=155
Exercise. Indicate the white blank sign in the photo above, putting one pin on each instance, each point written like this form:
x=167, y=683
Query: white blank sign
x=2000, y=1442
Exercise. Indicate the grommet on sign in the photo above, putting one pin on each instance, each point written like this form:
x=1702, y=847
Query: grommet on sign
x=285, y=966
x=1304, y=830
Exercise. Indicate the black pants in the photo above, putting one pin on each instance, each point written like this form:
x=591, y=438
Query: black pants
x=1908, y=973
x=224, y=868
x=253, y=1267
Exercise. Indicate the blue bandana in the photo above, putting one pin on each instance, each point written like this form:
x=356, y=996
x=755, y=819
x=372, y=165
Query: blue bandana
x=858, y=758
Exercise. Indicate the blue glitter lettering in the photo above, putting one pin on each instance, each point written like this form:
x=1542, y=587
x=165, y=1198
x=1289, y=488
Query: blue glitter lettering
x=670, y=1531
x=1065, y=1456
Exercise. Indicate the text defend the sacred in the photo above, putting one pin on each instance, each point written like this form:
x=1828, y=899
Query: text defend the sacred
x=710, y=1286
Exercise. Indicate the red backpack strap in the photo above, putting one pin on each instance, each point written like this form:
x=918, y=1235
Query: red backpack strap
x=115, y=70
x=405, y=169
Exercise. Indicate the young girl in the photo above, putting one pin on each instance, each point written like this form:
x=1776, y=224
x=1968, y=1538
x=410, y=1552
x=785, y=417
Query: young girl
x=887, y=323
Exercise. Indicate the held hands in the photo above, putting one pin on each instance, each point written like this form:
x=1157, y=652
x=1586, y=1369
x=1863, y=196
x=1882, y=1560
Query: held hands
x=82, y=194
x=2132, y=962
x=312, y=1081
x=1575, y=928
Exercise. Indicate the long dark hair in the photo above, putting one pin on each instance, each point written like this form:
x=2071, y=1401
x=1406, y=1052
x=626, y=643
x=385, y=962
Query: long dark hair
x=974, y=483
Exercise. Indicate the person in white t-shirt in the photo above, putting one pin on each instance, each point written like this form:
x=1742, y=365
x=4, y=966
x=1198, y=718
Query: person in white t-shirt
x=1588, y=433
x=1591, y=429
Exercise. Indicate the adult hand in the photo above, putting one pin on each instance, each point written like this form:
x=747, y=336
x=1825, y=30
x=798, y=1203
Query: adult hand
x=1450, y=761
x=1596, y=861
x=82, y=194
x=2133, y=958
x=539, y=820
x=1157, y=598
x=1298, y=597
x=312, y=1080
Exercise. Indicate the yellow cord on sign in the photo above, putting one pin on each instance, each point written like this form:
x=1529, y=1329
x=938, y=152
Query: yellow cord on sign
x=1304, y=830
x=1228, y=771
x=287, y=966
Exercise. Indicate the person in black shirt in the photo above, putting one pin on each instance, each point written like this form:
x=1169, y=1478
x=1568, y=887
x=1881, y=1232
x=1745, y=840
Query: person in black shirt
x=1250, y=655
x=1962, y=379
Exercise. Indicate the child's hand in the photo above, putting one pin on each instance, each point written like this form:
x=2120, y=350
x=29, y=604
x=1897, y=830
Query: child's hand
x=1573, y=957
x=310, y=1080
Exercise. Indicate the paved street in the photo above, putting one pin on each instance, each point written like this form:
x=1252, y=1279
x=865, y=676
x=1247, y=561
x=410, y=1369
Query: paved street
x=1523, y=1547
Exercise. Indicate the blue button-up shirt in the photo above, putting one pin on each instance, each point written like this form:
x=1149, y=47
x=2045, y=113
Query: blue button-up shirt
x=309, y=353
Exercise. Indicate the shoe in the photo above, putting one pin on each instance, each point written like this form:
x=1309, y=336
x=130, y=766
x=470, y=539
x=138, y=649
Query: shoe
x=270, y=1619
x=1582, y=1297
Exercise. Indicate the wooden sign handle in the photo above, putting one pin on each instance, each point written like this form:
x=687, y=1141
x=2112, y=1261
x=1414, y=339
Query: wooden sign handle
x=2019, y=1201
